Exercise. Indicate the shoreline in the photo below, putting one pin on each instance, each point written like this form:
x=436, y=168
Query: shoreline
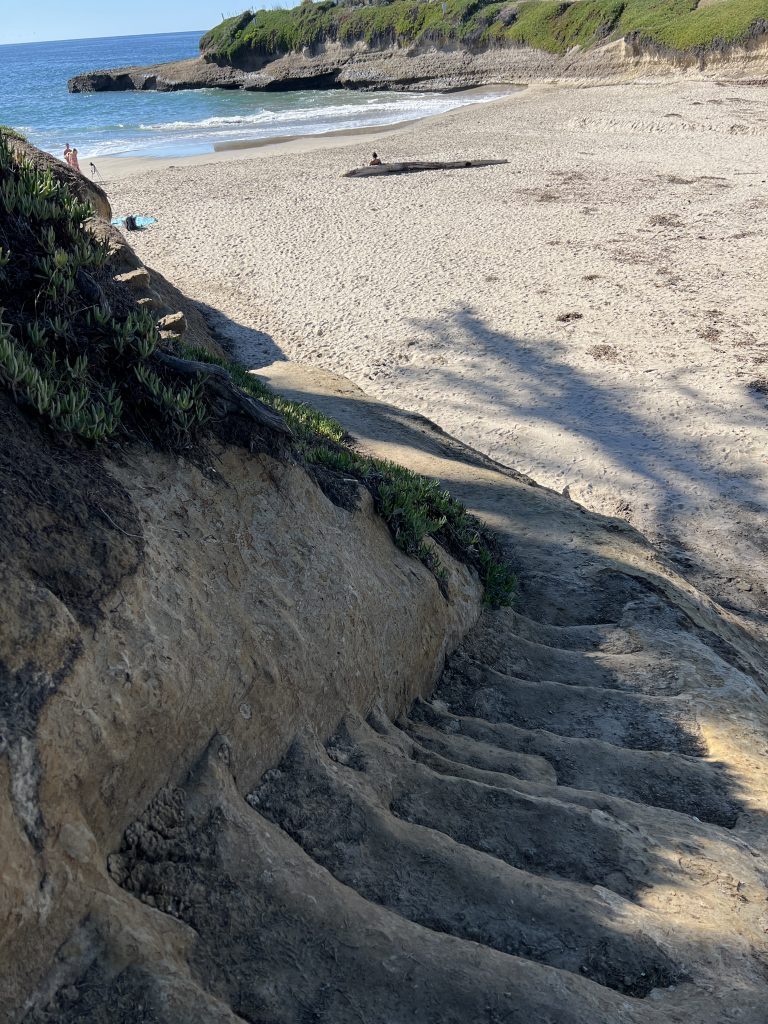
x=114, y=168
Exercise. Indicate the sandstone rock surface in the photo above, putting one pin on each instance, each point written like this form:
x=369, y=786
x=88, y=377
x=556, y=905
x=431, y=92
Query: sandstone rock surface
x=173, y=323
x=151, y=605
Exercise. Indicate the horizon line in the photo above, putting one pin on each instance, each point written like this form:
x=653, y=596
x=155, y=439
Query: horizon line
x=125, y=35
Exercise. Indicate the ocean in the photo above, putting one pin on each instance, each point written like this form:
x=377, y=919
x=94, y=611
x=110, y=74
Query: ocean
x=34, y=100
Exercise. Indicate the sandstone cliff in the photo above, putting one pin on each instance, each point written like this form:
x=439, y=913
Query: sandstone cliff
x=360, y=67
x=151, y=603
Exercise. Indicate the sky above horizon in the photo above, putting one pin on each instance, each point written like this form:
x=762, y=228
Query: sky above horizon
x=46, y=20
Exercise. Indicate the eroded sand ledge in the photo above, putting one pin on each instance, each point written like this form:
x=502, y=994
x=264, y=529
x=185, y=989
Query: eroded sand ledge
x=593, y=313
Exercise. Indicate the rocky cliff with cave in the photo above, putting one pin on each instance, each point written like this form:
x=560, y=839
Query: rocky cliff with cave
x=265, y=759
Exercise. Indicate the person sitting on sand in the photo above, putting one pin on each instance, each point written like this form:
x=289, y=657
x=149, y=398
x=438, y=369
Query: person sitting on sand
x=375, y=162
x=73, y=161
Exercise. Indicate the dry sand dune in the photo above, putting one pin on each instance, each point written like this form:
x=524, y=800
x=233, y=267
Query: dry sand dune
x=593, y=313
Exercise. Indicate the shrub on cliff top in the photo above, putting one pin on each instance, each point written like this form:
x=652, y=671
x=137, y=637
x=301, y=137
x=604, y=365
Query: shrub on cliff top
x=11, y=133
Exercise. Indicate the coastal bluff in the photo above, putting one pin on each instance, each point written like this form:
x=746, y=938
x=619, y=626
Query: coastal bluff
x=427, y=46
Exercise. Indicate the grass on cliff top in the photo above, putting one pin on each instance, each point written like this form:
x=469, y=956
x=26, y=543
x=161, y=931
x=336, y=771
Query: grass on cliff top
x=543, y=24
x=679, y=25
x=415, y=508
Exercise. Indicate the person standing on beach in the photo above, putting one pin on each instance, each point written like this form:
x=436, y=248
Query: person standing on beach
x=67, y=152
x=73, y=161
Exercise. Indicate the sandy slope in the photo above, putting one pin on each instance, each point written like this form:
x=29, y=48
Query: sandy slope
x=593, y=313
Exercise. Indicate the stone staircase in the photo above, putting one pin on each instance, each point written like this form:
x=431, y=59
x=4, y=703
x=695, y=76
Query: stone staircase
x=571, y=829
x=547, y=839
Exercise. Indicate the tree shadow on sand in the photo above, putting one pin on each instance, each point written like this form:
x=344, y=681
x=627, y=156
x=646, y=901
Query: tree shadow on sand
x=251, y=347
x=486, y=373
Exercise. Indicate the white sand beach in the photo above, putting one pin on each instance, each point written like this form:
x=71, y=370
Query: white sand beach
x=592, y=313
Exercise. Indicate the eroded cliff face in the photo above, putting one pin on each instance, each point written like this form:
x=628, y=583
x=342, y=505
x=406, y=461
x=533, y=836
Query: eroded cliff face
x=358, y=66
x=150, y=604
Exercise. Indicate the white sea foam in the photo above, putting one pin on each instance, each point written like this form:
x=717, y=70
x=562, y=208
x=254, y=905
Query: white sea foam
x=208, y=122
x=297, y=113
x=406, y=108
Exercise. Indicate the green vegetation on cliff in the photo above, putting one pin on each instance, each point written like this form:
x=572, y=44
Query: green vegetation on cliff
x=682, y=25
x=11, y=133
x=678, y=25
x=64, y=351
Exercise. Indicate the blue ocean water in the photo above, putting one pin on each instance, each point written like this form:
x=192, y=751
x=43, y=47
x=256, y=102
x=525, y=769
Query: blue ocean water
x=34, y=100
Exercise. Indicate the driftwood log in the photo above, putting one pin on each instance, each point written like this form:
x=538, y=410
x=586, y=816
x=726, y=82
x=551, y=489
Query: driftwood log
x=228, y=399
x=411, y=166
